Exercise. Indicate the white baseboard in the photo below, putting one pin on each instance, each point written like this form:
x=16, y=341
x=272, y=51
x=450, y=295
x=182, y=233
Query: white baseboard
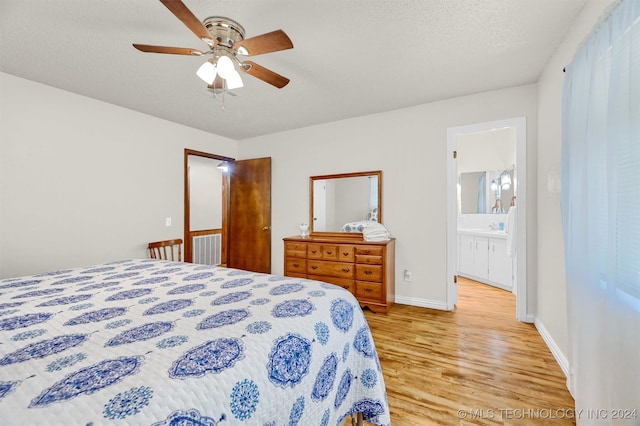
x=422, y=303
x=551, y=344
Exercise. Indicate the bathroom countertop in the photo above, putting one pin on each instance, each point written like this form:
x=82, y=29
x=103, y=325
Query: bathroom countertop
x=483, y=232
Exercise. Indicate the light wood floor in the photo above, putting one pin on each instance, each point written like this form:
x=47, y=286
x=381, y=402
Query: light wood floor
x=478, y=359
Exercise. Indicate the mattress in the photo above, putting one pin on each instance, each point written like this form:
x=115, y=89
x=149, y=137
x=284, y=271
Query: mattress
x=152, y=342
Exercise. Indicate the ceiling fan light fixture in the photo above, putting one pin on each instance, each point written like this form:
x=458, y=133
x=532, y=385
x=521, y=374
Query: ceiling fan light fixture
x=225, y=67
x=207, y=72
x=226, y=40
x=234, y=81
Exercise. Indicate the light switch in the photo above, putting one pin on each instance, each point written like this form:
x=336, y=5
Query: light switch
x=167, y=221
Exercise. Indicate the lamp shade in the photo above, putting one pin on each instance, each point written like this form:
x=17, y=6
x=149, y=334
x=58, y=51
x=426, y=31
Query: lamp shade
x=494, y=184
x=225, y=67
x=505, y=180
x=234, y=80
x=207, y=72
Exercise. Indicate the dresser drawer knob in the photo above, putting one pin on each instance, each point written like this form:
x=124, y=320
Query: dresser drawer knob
x=345, y=253
x=368, y=272
x=314, y=267
x=345, y=270
x=368, y=290
x=329, y=252
x=296, y=265
x=314, y=251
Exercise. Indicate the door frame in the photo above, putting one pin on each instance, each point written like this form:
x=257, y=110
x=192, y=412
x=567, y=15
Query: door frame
x=188, y=244
x=520, y=124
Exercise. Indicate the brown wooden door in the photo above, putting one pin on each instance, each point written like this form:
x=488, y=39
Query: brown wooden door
x=250, y=218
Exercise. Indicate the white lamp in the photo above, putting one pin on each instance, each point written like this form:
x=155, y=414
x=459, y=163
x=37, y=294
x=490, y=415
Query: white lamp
x=234, y=80
x=225, y=69
x=207, y=72
x=494, y=185
x=505, y=180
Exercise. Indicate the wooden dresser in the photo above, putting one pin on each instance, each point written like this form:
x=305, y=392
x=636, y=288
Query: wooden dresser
x=365, y=268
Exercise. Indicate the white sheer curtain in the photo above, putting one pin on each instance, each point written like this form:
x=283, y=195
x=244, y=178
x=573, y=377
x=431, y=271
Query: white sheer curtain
x=601, y=219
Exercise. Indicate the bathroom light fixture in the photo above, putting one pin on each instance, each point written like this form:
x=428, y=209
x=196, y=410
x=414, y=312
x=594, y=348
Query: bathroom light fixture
x=495, y=184
x=505, y=181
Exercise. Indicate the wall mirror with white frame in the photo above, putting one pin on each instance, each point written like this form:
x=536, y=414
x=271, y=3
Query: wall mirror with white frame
x=345, y=203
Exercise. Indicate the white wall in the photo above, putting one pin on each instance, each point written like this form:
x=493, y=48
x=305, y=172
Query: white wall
x=552, y=301
x=205, y=193
x=493, y=150
x=409, y=146
x=85, y=182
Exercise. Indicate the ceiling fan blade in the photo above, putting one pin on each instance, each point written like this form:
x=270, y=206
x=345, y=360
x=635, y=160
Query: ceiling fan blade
x=165, y=49
x=264, y=74
x=189, y=19
x=265, y=43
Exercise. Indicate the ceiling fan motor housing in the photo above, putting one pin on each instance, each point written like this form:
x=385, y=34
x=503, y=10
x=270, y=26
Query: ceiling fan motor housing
x=227, y=31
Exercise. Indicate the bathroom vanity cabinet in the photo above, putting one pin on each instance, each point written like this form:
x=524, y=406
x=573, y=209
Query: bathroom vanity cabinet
x=482, y=256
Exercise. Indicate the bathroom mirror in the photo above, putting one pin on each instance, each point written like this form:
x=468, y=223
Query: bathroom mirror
x=345, y=203
x=486, y=192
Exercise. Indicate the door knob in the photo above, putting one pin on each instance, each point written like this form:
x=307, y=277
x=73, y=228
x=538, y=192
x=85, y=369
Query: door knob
x=265, y=228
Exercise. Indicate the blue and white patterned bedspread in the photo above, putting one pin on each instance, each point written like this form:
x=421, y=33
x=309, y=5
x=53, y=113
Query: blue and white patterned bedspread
x=144, y=342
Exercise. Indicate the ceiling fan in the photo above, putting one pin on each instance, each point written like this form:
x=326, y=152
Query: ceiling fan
x=225, y=39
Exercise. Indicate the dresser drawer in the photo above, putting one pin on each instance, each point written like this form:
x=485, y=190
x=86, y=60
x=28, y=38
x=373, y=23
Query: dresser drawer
x=295, y=265
x=289, y=246
x=345, y=283
x=314, y=251
x=346, y=253
x=296, y=253
x=369, y=291
x=369, y=272
x=369, y=251
x=332, y=269
x=369, y=260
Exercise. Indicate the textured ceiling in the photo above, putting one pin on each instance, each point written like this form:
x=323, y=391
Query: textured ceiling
x=350, y=57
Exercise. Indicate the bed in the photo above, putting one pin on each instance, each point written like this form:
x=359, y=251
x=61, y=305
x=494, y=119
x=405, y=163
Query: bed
x=152, y=342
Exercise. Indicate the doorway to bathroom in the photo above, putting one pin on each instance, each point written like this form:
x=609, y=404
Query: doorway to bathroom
x=486, y=178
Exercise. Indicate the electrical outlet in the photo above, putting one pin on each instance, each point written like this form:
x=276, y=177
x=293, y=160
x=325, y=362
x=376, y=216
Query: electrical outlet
x=167, y=221
x=408, y=275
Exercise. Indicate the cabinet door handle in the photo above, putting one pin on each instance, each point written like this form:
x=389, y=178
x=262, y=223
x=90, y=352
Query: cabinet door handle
x=345, y=270
x=314, y=267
